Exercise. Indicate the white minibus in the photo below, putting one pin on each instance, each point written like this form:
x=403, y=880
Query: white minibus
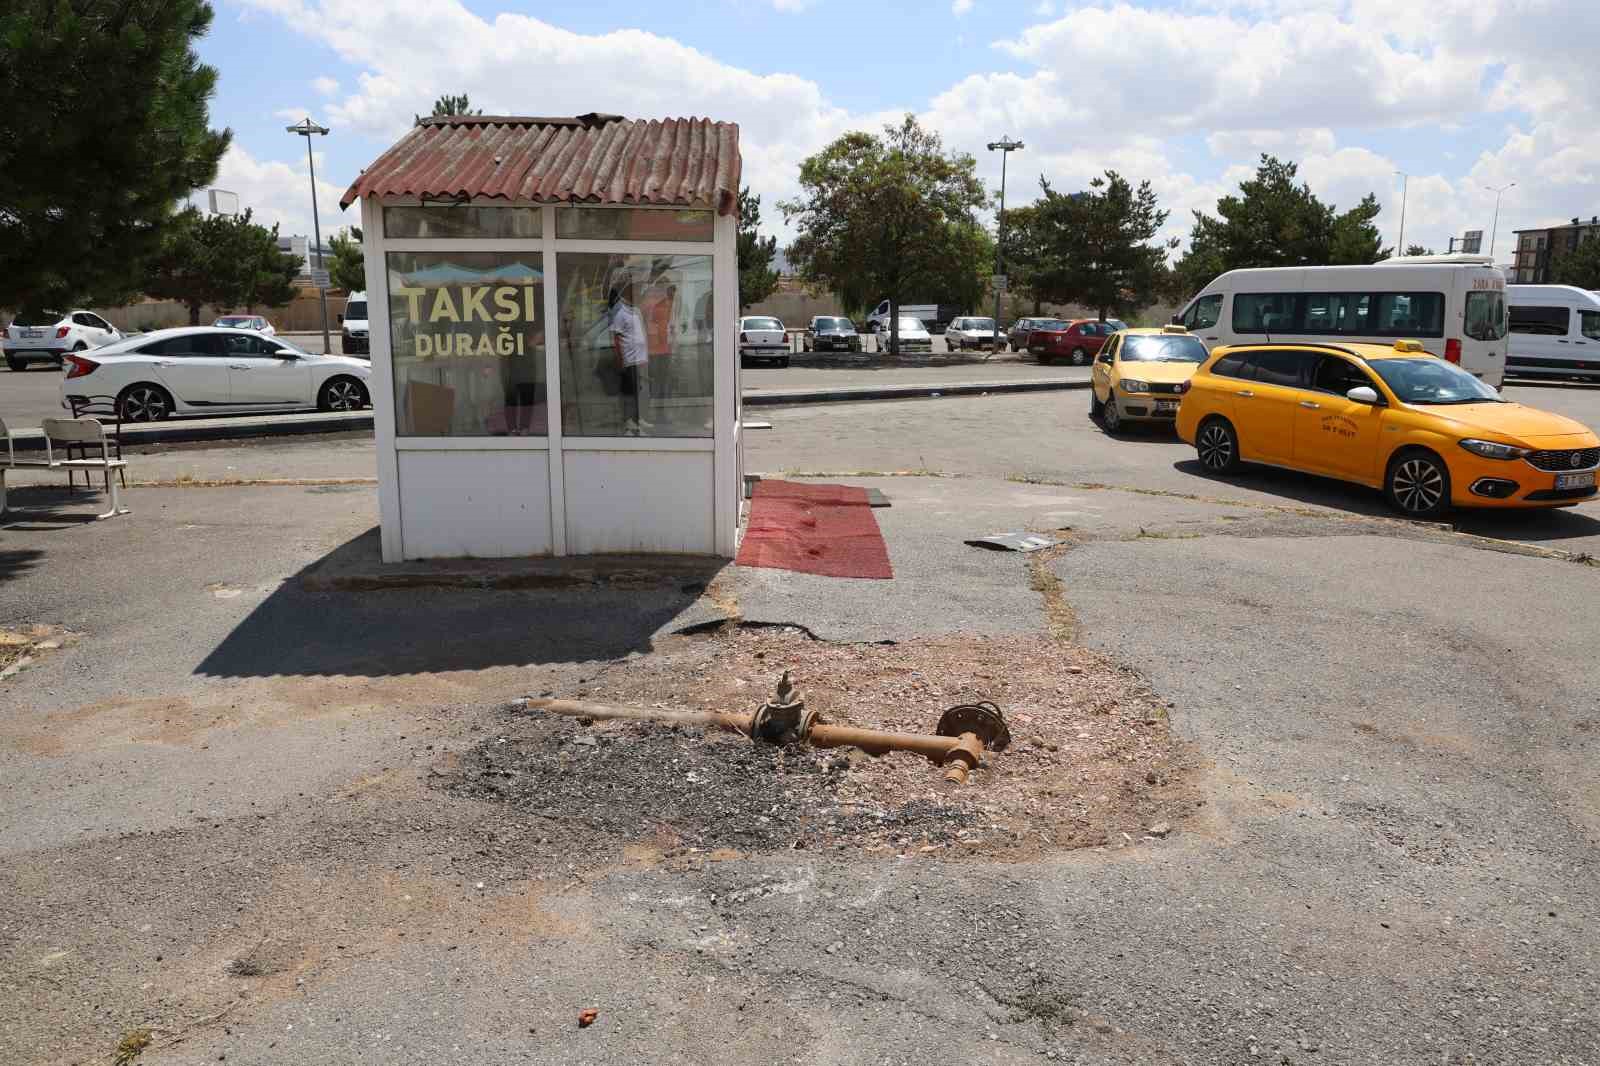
x=1555, y=332
x=1454, y=304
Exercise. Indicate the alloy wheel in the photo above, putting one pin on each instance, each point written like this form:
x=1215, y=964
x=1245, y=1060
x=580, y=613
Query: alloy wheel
x=145, y=404
x=1215, y=447
x=1079, y=357
x=1418, y=486
x=343, y=396
x=1110, y=415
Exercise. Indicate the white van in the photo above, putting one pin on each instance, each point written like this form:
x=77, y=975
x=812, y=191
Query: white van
x=354, y=334
x=1454, y=304
x=1555, y=332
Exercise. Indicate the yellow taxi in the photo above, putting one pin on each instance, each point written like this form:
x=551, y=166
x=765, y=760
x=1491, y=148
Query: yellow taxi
x=1426, y=432
x=1139, y=375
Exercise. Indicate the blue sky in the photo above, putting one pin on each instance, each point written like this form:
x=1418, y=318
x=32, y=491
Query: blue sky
x=1183, y=93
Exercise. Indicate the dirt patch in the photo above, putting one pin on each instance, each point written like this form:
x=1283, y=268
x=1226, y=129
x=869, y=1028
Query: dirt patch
x=1092, y=762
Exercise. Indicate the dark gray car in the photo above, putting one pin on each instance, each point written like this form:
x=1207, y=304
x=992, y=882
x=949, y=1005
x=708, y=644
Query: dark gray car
x=831, y=333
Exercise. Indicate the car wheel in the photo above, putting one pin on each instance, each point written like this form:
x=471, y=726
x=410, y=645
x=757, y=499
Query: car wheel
x=145, y=403
x=341, y=394
x=1217, y=446
x=1111, y=415
x=1079, y=357
x=1418, y=484
x=16, y=365
x=783, y=364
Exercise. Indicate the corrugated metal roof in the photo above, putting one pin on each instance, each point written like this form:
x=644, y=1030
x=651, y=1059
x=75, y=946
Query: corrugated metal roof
x=596, y=159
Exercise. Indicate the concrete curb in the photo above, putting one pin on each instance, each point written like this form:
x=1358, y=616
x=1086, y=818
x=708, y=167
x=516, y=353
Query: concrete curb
x=906, y=392
x=180, y=431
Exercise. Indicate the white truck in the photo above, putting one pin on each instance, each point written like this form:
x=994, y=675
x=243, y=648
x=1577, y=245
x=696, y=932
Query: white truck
x=934, y=316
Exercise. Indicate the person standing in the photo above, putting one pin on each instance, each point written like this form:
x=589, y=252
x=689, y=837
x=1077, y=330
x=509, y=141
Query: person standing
x=631, y=344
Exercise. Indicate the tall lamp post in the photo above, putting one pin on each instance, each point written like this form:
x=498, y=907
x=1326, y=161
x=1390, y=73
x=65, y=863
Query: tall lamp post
x=307, y=129
x=1495, y=229
x=1005, y=146
x=1400, y=245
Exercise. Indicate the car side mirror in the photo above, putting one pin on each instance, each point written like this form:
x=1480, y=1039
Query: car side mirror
x=286, y=353
x=1363, y=394
x=1177, y=320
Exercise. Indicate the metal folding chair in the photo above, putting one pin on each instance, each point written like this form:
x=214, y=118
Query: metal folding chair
x=90, y=433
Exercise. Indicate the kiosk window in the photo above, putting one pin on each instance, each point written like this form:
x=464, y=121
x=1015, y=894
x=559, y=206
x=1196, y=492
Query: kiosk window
x=637, y=339
x=634, y=224
x=468, y=339
x=463, y=221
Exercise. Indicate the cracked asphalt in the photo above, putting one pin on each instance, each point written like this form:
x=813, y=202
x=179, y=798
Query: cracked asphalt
x=216, y=819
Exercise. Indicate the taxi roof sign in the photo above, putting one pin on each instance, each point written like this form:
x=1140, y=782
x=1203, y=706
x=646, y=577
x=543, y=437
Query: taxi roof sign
x=1408, y=346
x=1173, y=329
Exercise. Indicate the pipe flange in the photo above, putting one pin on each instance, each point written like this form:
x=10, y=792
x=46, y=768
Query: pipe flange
x=983, y=719
x=783, y=716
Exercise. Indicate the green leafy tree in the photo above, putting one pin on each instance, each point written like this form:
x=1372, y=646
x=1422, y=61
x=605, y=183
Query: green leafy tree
x=103, y=132
x=1274, y=221
x=1580, y=266
x=1023, y=253
x=1419, y=249
x=886, y=216
x=451, y=105
x=1098, y=246
x=347, y=269
x=757, y=278
x=221, y=260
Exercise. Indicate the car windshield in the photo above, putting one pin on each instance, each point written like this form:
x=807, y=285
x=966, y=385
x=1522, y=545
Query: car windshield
x=236, y=321
x=1162, y=349
x=37, y=318
x=1432, y=381
x=356, y=309
x=762, y=323
x=980, y=323
x=909, y=324
x=835, y=323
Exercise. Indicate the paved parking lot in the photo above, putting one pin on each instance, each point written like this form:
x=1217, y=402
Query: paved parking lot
x=216, y=815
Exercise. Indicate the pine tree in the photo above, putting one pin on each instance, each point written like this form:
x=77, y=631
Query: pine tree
x=103, y=123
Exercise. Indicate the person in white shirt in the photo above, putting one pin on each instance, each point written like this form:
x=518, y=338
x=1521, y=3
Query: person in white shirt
x=629, y=340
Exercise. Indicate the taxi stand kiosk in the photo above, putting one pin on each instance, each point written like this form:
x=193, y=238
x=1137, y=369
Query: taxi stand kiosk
x=553, y=305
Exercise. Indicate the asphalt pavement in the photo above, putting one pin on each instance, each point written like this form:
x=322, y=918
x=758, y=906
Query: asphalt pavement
x=217, y=823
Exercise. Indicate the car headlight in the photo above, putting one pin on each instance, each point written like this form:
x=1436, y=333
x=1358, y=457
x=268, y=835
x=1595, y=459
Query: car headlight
x=1490, y=449
x=1134, y=385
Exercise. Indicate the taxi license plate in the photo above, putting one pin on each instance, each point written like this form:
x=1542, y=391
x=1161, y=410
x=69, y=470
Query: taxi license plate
x=1584, y=480
x=1166, y=405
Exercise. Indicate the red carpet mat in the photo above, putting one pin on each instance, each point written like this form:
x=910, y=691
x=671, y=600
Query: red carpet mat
x=814, y=529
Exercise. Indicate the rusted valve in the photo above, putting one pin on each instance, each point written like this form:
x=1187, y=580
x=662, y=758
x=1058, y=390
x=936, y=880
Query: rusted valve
x=980, y=726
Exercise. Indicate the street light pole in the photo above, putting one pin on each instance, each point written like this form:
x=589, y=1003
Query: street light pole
x=307, y=129
x=1005, y=146
x=1495, y=229
x=1400, y=245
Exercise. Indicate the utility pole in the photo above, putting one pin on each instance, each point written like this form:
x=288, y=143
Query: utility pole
x=1005, y=146
x=1400, y=245
x=1495, y=229
x=307, y=129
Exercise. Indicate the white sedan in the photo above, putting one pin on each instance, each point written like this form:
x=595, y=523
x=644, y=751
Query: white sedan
x=203, y=370
x=763, y=337
x=255, y=322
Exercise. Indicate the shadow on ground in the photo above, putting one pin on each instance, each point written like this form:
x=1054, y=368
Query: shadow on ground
x=1529, y=525
x=44, y=508
x=348, y=614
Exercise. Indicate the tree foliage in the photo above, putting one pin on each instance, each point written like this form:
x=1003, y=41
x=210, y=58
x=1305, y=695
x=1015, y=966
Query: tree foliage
x=1275, y=222
x=757, y=278
x=1419, y=249
x=891, y=216
x=222, y=260
x=1098, y=246
x=347, y=269
x=1022, y=253
x=1579, y=266
x=451, y=105
x=103, y=131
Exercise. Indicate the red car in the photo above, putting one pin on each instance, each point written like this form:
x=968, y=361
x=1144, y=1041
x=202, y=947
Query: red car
x=1078, y=340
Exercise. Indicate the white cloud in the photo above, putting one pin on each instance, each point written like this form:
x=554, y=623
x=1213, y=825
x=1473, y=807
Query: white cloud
x=325, y=85
x=1044, y=8
x=280, y=192
x=960, y=7
x=791, y=5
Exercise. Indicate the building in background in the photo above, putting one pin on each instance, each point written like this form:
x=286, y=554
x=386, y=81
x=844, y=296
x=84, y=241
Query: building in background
x=302, y=247
x=1537, y=248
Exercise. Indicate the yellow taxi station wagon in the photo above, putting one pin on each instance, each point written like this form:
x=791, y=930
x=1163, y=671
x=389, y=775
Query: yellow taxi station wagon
x=1426, y=432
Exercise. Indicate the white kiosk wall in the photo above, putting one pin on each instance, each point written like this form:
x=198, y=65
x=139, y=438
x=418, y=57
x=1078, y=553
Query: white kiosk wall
x=510, y=419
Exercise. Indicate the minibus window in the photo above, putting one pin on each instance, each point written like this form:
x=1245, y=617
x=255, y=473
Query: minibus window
x=1485, y=318
x=1590, y=323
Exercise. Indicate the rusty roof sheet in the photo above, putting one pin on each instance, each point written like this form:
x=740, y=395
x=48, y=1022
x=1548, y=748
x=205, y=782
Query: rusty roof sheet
x=592, y=159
